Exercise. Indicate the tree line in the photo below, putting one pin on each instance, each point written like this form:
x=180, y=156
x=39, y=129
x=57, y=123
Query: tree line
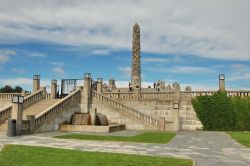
x=9, y=89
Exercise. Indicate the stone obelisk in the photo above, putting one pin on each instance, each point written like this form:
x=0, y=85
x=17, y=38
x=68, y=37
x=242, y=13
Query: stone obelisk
x=136, y=58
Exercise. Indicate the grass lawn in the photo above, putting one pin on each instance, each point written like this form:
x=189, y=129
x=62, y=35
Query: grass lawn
x=242, y=137
x=19, y=155
x=147, y=137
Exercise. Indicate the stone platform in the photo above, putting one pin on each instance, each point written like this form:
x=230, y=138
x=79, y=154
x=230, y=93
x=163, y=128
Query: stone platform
x=92, y=128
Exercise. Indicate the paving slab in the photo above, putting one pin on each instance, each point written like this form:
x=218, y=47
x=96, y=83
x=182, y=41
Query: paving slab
x=206, y=148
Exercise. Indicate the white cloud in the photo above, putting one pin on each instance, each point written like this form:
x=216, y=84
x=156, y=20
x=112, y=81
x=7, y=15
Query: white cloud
x=5, y=55
x=57, y=63
x=19, y=70
x=208, y=28
x=182, y=69
x=58, y=70
x=26, y=83
x=101, y=52
x=157, y=60
x=239, y=72
x=37, y=55
x=125, y=70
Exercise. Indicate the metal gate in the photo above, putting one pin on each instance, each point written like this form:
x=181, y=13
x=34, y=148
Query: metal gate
x=69, y=85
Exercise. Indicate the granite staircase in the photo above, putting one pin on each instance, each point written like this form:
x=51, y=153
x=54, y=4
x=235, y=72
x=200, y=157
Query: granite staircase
x=39, y=107
x=189, y=119
x=127, y=111
x=5, y=113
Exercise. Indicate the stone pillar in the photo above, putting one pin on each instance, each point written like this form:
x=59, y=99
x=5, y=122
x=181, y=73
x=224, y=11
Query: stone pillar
x=162, y=123
x=36, y=83
x=177, y=92
x=136, y=58
x=87, y=92
x=17, y=112
x=44, y=92
x=53, y=89
x=99, y=85
x=221, y=82
x=31, y=118
x=176, y=123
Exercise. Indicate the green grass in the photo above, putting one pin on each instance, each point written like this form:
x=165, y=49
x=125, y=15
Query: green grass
x=242, y=137
x=19, y=155
x=147, y=137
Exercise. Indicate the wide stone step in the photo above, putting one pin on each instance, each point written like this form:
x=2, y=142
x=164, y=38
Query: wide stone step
x=40, y=107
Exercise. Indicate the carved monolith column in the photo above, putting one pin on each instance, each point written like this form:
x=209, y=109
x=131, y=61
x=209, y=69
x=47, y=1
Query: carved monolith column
x=136, y=59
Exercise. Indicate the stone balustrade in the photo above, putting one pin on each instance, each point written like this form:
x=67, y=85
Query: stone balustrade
x=8, y=96
x=241, y=93
x=142, y=95
x=48, y=96
x=5, y=114
x=28, y=101
x=56, y=108
x=231, y=93
x=126, y=110
x=34, y=98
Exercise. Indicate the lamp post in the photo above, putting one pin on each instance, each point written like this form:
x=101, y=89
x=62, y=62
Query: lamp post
x=17, y=113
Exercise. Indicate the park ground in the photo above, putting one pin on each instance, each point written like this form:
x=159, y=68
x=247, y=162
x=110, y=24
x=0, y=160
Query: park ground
x=206, y=148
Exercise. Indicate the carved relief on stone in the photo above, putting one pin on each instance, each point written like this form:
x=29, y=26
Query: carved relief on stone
x=188, y=89
x=136, y=61
x=176, y=86
x=111, y=85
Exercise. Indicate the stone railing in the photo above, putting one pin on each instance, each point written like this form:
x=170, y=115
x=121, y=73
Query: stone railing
x=52, y=111
x=231, y=93
x=34, y=98
x=140, y=96
x=48, y=96
x=28, y=101
x=8, y=96
x=5, y=114
x=241, y=93
x=126, y=110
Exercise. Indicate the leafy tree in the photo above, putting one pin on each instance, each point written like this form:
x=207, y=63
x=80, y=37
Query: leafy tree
x=9, y=89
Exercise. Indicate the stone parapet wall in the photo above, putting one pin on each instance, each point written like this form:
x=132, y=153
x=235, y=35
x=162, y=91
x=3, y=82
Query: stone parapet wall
x=63, y=116
x=115, y=117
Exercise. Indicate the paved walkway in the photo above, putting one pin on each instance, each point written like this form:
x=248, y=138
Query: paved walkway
x=207, y=148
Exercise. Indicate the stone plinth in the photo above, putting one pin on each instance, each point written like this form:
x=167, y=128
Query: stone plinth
x=91, y=128
x=80, y=119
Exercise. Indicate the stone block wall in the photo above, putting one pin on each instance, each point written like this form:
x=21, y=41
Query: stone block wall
x=115, y=117
x=59, y=119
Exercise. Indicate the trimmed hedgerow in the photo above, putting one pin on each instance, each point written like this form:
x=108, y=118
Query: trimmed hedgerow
x=220, y=112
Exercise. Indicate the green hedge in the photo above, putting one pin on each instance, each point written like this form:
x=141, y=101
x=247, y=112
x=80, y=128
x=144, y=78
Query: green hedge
x=219, y=112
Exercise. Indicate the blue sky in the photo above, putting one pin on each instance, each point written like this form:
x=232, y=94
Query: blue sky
x=65, y=39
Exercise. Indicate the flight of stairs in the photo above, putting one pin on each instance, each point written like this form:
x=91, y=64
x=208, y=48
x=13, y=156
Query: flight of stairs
x=189, y=119
x=3, y=127
x=32, y=110
x=39, y=107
